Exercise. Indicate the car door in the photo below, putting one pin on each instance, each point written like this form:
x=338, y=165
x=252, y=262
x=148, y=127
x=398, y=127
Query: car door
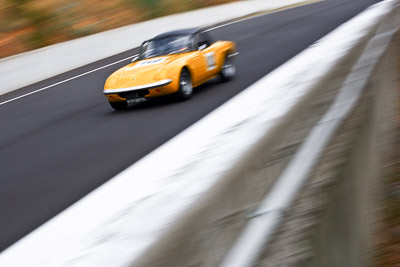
x=197, y=62
x=204, y=61
x=208, y=53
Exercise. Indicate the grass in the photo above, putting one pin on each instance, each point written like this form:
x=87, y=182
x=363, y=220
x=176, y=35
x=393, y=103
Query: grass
x=28, y=24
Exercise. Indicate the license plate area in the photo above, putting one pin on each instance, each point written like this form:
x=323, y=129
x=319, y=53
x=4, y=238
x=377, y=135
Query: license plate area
x=136, y=100
x=135, y=94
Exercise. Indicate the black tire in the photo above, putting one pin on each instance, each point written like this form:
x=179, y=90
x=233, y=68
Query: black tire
x=119, y=105
x=228, y=70
x=185, y=85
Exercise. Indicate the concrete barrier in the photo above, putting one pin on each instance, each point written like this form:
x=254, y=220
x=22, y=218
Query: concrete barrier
x=189, y=212
x=31, y=67
x=333, y=220
x=345, y=135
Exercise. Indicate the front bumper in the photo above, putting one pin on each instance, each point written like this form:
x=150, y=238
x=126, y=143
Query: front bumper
x=136, y=88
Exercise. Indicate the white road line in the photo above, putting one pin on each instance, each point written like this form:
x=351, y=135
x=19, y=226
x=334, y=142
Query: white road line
x=267, y=12
x=210, y=29
x=66, y=80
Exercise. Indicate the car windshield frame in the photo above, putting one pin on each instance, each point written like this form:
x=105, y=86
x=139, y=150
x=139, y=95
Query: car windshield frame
x=168, y=45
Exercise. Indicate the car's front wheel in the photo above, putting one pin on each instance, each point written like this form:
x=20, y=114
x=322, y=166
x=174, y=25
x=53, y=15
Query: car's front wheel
x=185, y=85
x=228, y=70
x=119, y=105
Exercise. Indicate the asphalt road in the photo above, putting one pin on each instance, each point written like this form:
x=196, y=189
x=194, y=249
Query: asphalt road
x=58, y=145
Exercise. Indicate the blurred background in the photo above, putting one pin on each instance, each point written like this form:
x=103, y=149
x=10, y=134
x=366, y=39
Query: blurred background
x=27, y=24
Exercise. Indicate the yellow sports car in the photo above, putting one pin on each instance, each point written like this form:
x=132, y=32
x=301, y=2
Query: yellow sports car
x=171, y=63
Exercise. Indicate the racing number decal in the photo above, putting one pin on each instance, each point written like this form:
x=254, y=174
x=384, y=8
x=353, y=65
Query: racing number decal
x=210, y=60
x=149, y=62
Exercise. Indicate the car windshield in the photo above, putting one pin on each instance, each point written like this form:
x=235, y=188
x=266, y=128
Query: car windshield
x=165, y=46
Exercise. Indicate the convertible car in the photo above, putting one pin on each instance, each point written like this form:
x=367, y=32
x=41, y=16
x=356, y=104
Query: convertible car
x=171, y=63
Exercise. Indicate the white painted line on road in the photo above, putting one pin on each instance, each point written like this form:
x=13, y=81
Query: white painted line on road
x=266, y=12
x=66, y=80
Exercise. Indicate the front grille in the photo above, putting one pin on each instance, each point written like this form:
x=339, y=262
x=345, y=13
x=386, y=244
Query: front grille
x=134, y=94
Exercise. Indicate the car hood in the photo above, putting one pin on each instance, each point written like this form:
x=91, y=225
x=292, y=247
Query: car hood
x=139, y=73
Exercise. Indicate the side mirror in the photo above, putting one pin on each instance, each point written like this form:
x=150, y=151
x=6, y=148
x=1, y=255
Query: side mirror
x=134, y=59
x=203, y=46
